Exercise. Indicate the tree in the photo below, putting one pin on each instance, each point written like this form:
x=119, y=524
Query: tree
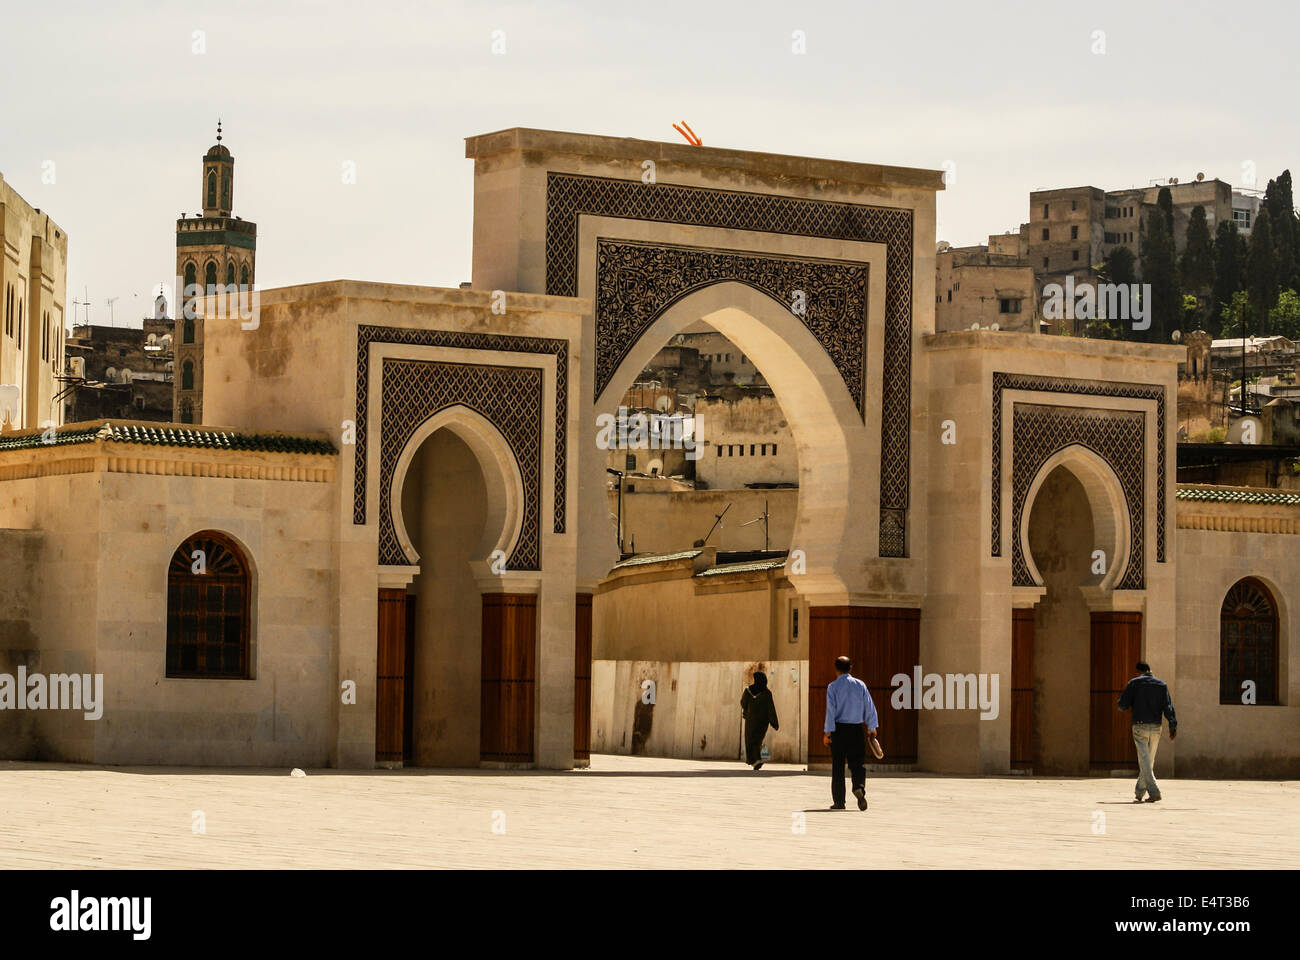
x=1286, y=232
x=1227, y=270
x=1284, y=319
x=1233, y=312
x=1198, y=256
x=1121, y=266
x=1160, y=270
x=1101, y=329
x=1261, y=270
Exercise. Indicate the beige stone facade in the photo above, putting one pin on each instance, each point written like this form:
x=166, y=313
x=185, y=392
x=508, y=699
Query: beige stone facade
x=982, y=287
x=33, y=298
x=409, y=517
x=744, y=442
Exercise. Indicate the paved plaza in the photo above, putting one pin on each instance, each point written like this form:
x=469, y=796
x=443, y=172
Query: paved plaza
x=626, y=812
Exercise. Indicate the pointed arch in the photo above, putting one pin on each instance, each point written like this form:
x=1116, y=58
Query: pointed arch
x=502, y=478
x=835, y=448
x=1105, y=493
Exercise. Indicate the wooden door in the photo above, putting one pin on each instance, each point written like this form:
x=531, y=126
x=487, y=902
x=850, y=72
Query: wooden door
x=408, y=684
x=881, y=642
x=390, y=675
x=1116, y=647
x=1022, y=689
x=508, y=677
x=582, y=678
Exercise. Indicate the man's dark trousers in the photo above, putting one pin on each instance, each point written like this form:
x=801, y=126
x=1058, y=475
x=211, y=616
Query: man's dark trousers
x=848, y=743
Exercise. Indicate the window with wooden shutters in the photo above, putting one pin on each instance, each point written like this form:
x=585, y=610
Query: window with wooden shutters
x=1248, y=643
x=208, y=624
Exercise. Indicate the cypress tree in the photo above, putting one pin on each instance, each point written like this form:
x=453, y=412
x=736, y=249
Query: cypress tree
x=1281, y=212
x=1121, y=264
x=1198, y=256
x=1227, y=271
x=1261, y=271
x=1160, y=270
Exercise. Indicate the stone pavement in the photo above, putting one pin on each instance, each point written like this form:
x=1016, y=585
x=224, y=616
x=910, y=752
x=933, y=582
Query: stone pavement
x=626, y=812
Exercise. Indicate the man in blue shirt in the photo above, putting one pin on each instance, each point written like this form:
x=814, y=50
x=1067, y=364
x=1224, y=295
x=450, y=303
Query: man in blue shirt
x=850, y=718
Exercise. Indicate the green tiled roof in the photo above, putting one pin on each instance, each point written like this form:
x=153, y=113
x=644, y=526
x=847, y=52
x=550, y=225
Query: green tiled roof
x=1238, y=495
x=170, y=435
x=656, y=558
x=751, y=567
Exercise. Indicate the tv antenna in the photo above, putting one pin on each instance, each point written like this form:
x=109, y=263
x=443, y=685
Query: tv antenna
x=764, y=517
x=110, y=301
x=717, y=522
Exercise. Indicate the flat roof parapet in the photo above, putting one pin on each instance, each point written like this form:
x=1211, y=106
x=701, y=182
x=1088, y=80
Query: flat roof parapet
x=526, y=141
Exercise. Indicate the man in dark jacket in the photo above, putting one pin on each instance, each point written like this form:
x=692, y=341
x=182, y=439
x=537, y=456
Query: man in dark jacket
x=1149, y=698
x=758, y=709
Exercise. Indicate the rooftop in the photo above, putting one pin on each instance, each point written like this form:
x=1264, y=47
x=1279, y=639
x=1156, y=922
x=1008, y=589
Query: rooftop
x=539, y=142
x=1212, y=494
x=167, y=434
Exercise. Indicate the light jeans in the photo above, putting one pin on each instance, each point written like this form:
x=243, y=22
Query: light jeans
x=1146, y=737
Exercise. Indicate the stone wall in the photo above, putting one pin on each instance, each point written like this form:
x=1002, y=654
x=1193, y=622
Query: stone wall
x=99, y=605
x=696, y=709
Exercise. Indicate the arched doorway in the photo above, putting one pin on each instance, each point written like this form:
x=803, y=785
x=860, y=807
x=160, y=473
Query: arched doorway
x=837, y=524
x=1074, y=650
x=456, y=682
x=833, y=522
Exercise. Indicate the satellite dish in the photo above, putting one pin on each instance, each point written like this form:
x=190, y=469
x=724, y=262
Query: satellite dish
x=975, y=326
x=1200, y=177
x=1176, y=336
x=993, y=327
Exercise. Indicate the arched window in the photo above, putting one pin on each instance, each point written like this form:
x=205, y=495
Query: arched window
x=212, y=189
x=20, y=324
x=230, y=274
x=191, y=277
x=187, y=375
x=1248, y=643
x=243, y=277
x=210, y=276
x=208, y=627
x=225, y=190
x=187, y=330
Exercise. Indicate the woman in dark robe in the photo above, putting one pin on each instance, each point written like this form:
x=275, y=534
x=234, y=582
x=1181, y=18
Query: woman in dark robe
x=759, y=710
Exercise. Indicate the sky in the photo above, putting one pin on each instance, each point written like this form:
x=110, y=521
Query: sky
x=109, y=108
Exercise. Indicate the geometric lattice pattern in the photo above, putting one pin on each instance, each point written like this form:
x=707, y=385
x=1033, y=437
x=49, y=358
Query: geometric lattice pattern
x=1117, y=436
x=569, y=197
x=637, y=282
x=510, y=398
x=367, y=335
x=1088, y=388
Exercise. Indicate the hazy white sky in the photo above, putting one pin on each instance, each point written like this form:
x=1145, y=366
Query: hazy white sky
x=1011, y=94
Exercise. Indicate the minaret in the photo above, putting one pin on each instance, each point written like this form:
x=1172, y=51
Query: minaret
x=214, y=253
